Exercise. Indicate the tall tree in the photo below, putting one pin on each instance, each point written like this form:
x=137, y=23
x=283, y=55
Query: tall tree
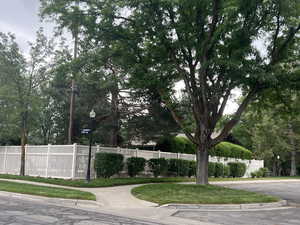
x=23, y=78
x=210, y=45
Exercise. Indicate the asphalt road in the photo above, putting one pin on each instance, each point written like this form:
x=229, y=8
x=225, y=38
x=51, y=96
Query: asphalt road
x=283, y=216
x=16, y=211
x=286, y=190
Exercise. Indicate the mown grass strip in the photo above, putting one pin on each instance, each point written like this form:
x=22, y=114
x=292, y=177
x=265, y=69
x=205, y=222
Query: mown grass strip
x=197, y=194
x=101, y=182
x=52, y=192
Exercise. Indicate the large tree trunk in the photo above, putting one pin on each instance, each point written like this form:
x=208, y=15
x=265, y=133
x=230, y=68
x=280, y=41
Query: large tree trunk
x=202, y=165
x=293, y=163
x=293, y=152
x=274, y=167
x=23, y=143
x=115, y=115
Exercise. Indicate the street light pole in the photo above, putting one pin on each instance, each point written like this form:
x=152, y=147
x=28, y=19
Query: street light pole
x=88, y=172
x=278, y=165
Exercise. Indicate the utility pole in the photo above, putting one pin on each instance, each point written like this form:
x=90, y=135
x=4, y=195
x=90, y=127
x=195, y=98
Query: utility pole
x=73, y=85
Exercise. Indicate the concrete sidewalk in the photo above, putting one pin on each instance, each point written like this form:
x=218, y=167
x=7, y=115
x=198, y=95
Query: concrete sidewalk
x=113, y=200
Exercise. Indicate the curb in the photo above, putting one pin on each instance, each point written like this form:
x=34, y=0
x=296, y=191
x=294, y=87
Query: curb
x=271, y=205
x=55, y=201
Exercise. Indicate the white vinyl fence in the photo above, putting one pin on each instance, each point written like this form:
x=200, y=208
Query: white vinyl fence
x=70, y=161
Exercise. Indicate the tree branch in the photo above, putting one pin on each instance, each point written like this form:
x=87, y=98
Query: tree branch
x=230, y=124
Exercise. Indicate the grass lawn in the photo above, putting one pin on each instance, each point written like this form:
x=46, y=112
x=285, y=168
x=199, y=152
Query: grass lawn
x=52, y=192
x=197, y=194
x=100, y=182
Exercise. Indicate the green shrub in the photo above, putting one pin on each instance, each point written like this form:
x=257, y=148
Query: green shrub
x=178, y=167
x=226, y=171
x=188, y=146
x=184, y=145
x=237, y=169
x=229, y=150
x=158, y=166
x=108, y=164
x=176, y=145
x=264, y=171
x=192, y=168
x=253, y=174
x=135, y=165
x=211, y=169
x=219, y=170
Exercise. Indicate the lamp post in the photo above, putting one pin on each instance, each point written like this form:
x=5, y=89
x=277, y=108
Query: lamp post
x=278, y=158
x=88, y=172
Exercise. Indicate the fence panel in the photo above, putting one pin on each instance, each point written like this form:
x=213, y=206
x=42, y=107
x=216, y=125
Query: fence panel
x=70, y=161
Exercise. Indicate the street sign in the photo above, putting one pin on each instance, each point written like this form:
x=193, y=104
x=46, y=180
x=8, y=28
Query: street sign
x=85, y=131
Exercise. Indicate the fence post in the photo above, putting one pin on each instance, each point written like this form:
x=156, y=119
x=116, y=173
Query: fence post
x=74, y=160
x=159, y=154
x=178, y=155
x=5, y=160
x=136, y=152
x=98, y=148
x=47, y=162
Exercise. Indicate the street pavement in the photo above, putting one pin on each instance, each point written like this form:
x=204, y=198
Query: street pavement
x=16, y=211
x=286, y=190
x=289, y=216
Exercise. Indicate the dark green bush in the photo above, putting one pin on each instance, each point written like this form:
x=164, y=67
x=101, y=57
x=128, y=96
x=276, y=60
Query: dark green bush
x=211, y=169
x=175, y=144
x=237, y=169
x=262, y=172
x=135, y=165
x=178, y=167
x=108, y=164
x=158, y=166
x=226, y=171
x=192, y=168
x=219, y=170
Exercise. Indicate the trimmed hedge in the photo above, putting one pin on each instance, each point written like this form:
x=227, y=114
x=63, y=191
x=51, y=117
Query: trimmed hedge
x=226, y=171
x=158, y=166
x=108, y=164
x=184, y=145
x=219, y=170
x=176, y=145
x=262, y=172
x=237, y=169
x=178, y=167
x=192, y=168
x=135, y=165
x=211, y=169
x=229, y=150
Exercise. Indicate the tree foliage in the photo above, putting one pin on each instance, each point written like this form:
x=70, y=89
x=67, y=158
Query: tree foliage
x=210, y=45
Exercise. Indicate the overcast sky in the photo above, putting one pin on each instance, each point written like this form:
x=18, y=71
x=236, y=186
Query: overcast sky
x=21, y=18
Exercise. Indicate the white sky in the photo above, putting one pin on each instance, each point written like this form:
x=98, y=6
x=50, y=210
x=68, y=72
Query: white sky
x=21, y=18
